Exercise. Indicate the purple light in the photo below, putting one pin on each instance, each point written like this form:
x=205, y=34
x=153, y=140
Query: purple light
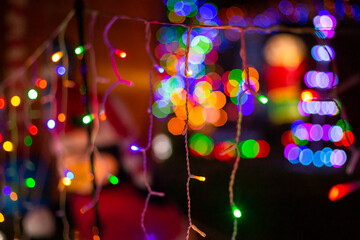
x=338, y=158
x=326, y=129
x=322, y=53
x=291, y=152
x=316, y=132
x=60, y=70
x=182, y=8
x=335, y=133
x=286, y=7
x=208, y=11
x=6, y=190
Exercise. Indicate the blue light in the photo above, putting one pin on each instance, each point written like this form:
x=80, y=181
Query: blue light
x=69, y=174
x=134, y=148
x=60, y=70
x=51, y=124
x=160, y=69
x=6, y=190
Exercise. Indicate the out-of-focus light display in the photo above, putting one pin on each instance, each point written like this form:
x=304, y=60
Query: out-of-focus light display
x=286, y=7
x=87, y=119
x=33, y=130
x=61, y=117
x=51, y=124
x=69, y=174
x=330, y=158
x=13, y=197
x=322, y=53
x=41, y=83
x=308, y=95
x=120, y=53
x=66, y=181
x=161, y=146
x=201, y=144
x=324, y=80
x=15, y=101
x=56, y=56
x=113, y=180
x=30, y=182
x=340, y=190
x=28, y=141
x=328, y=108
x=284, y=50
x=79, y=50
x=60, y=70
x=2, y=219
x=6, y=190
x=32, y=94
x=263, y=99
x=8, y=146
x=2, y=103
x=134, y=148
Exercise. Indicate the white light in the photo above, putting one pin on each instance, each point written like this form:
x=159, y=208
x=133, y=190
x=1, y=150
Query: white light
x=161, y=147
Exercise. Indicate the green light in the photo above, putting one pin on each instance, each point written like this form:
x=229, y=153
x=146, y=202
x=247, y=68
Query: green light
x=250, y=148
x=87, y=119
x=79, y=50
x=236, y=212
x=28, y=141
x=32, y=94
x=29, y=182
x=263, y=99
x=113, y=180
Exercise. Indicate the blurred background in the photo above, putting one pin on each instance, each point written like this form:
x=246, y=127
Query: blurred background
x=299, y=127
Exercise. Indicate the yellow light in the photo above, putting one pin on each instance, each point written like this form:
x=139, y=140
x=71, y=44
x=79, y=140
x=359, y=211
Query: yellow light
x=199, y=178
x=56, y=56
x=61, y=117
x=2, y=218
x=8, y=146
x=66, y=181
x=13, y=196
x=307, y=95
x=15, y=101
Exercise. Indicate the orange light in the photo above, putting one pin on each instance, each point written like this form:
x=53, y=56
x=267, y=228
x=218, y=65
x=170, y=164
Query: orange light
x=176, y=126
x=41, y=83
x=307, y=95
x=61, y=117
x=2, y=103
x=56, y=56
x=102, y=116
x=13, y=196
x=120, y=54
x=33, y=130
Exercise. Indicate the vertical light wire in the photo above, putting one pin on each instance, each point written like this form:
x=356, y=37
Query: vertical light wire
x=151, y=121
x=238, y=131
x=191, y=226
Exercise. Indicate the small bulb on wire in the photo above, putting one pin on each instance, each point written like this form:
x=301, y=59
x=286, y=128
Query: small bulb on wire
x=263, y=99
x=134, y=148
x=56, y=56
x=236, y=212
x=199, y=178
x=120, y=53
x=79, y=50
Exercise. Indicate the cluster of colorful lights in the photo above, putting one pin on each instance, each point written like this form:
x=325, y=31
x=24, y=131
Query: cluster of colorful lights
x=202, y=145
x=311, y=103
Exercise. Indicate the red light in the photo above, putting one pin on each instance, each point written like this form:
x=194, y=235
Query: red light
x=347, y=135
x=340, y=190
x=120, y=54
x=1, y=138
x=33, y=130
x=264, y=148
x=2, y=103
x=308, y=95
x=41, y=83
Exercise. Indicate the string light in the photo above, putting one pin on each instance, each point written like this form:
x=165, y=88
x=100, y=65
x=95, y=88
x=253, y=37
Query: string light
x=236, y=212
x=41, y=83
x=113, y=180
x=69, y=174
x=263, y=99
x=32, y=94
x=6, y=190
x=51, y=124
x=61, y=117
x=60, y=70
x=8, y=146
x=134, y=148
x=340, y=190
x=28, y=141
x=2, y=218
x=30, y=182
x=79, y=50
x=87, y=119
x=56, y=56
x=199, y=178
x=66, y=181
x=2, y=103
x=15, y=101
x=13, y=196
x=33, y=130
x=120, y=53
